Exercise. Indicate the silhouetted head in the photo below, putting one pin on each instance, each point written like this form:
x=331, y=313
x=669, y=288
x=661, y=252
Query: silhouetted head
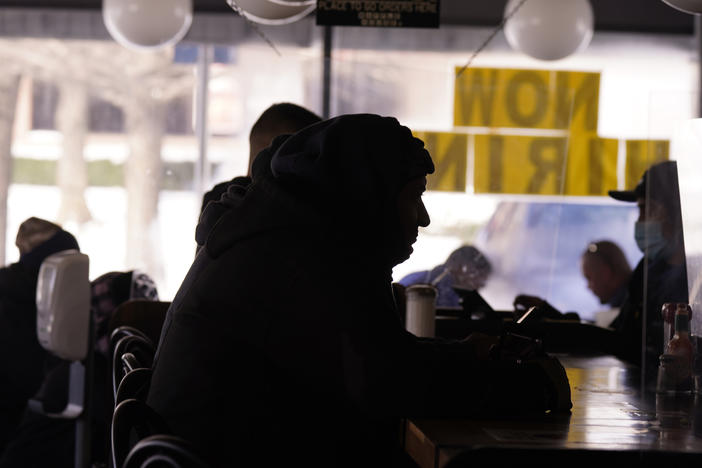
x=469, y=268
x=364, y=172
x=658, y=230
x=278, y=119
x=605, y=268
x=34, y=232
x=110, y=290
x=38, y=238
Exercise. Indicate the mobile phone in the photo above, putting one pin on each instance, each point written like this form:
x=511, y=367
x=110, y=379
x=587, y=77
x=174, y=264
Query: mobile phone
x=531, y=312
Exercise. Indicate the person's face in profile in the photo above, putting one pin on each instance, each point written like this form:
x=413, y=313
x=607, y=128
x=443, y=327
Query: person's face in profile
x=467, y=277
x=411, y=215
x=654, y=211
x=258, y=141
x=599, y=277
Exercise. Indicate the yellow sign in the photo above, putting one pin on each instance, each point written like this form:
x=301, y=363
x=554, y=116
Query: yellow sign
x=545, y=165
x=592, y=165
x=515, y=98
x=449, y=151
x=574, y=161
x=640, y=154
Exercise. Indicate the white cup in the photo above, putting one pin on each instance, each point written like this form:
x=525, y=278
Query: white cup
x=421, y=310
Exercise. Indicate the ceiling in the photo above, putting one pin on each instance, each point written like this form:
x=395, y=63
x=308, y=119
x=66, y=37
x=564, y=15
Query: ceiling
x=651, y=16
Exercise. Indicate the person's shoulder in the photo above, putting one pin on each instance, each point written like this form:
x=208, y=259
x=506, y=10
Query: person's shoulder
x=13, y=275
x=414, y=278
x=219, y=189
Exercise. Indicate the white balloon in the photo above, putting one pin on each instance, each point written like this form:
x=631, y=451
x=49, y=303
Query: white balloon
x=269, y=12
x=549, y=29
x=694, y=7
x=147, y=24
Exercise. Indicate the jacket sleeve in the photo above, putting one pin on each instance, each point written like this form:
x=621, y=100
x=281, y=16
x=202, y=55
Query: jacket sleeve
x=390, y=370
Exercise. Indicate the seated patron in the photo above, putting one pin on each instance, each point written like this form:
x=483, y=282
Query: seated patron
x=661, y=274
x=659, y=277
x=278, y=119
x=283, y=346
x=607, y=273
x=41, y=440
x=466, y=267
x=23, y=362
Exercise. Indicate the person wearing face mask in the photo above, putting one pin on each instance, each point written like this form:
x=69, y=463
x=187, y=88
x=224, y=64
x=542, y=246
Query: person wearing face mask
x=661, y=275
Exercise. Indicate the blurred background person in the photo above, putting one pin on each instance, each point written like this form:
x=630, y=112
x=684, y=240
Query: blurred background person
x=278, y=119
x=607, y=272
x=41, y=440
x=465, y=268
x=659, y=277
x=23, y=362
x=661, y=274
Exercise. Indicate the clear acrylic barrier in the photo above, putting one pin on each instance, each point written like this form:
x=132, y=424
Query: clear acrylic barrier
x=687, y=149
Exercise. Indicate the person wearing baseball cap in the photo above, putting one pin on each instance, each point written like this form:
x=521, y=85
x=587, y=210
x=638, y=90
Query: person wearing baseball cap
x=661, y=272
x=284, y=344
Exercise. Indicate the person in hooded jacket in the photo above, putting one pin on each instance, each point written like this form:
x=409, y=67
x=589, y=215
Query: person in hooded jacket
x=283, y=345
x=23, y=361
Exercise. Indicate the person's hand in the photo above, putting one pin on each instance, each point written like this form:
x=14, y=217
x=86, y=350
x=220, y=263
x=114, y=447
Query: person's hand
x=518, y=347
x=524, y=302
x=482, y=344
x=543, y=309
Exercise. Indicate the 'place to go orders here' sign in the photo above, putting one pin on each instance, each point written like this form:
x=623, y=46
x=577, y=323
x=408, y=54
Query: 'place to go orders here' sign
x=379, y=13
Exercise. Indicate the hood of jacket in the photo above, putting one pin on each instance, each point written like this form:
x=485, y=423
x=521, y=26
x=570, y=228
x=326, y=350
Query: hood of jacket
x=341, y=176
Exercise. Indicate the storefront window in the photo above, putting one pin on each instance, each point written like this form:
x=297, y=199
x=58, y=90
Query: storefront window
x=103, y=140
x=526, y=150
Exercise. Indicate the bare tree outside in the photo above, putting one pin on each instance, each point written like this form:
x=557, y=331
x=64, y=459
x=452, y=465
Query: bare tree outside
x=141, y=84
x=72, y=171
x=142, y=177
x=9, y=84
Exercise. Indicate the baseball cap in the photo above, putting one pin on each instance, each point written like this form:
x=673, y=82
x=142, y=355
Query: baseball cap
x=664, y=184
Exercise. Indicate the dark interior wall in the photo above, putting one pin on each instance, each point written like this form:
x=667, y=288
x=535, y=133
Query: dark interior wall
x=610, y=15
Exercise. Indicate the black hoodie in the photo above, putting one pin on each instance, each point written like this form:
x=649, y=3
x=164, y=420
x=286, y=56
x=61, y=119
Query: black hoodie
x=283, y=345
x=22, y=359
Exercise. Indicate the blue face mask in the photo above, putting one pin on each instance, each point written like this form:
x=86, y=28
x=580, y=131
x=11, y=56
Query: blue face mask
x=649, y=238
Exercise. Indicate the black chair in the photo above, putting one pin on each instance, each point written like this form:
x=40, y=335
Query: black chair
x=120, y=332
x=163, y=451
x=141, y=438
x=130, y=352
x=132, y=421
x=135, y=384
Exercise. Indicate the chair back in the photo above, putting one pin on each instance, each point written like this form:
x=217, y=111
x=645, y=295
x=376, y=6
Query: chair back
x=134, y=385
x=122, y=331
x=132, y=421
x=139, y=436
x=131, y=352
x=163, y=451
x=140, y=314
